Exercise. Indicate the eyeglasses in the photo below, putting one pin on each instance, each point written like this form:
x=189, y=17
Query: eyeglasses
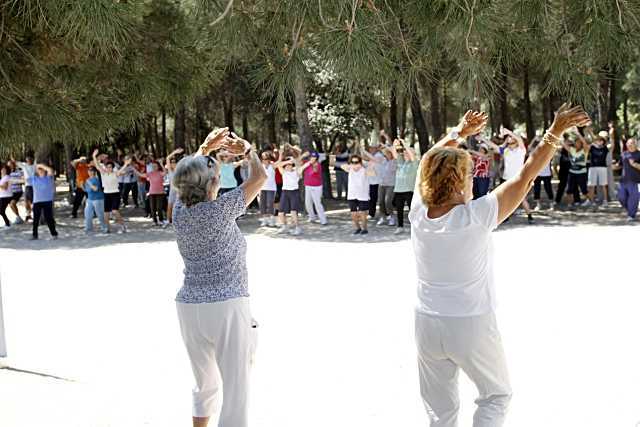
x=355, y=163
x=211, y=162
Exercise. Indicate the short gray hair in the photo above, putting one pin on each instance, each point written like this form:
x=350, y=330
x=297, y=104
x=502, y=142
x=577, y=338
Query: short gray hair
x=193, y=179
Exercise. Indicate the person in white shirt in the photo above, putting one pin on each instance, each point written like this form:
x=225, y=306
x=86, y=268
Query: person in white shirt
x=375, y=177
x=543, y=178
x=357, y=193
x=109, y=175
x=514, y=153
x=386, y=193
x=290, y=199
x=29, y=170
x=268, y=192
x=455, y=324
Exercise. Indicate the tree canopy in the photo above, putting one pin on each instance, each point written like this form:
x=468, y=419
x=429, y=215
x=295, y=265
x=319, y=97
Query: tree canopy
x=83, y=72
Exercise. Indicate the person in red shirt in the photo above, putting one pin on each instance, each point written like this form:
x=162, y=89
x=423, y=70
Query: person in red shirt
x=156, y=191
x=311, y=172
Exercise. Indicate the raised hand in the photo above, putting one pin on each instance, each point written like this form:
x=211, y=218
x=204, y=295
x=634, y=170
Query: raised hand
x=236, y=145
x=214, y=140
x=472, y=123
x=567, y=117
x=95, y=152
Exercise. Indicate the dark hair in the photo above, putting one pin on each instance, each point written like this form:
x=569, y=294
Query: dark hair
x=110, y=163
x=355, y=156
x=93, y=169
x=5, y=167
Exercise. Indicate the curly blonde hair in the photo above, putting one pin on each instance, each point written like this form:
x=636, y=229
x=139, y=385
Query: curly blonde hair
x=443, y=174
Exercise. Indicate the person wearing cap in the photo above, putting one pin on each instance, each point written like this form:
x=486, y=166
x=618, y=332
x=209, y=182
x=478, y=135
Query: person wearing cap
x=311, y=172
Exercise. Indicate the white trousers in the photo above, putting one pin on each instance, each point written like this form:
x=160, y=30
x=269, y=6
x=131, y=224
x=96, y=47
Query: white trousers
x=221, y=340
x=473, y=344
x=313, y=197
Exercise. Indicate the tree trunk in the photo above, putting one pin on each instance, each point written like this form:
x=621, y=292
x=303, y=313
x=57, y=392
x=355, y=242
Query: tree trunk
x=156, y=137
x=272, y=134
x=302, y=118
x=546, y=122
x=393, y=114
x=245, y=126
x=227, y=107
x=436, y=122
x=403, y=115
x=612, y=115
x=68, y=169
x=531, y=131
x=445, y=99
x=179, y=132
x=503, y=99
x=419, y=123
x=164, y=127
x=625, y=113
x=603, y=108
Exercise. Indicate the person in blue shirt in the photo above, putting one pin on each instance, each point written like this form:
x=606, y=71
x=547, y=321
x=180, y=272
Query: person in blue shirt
x=94, y=203
x=44, y=189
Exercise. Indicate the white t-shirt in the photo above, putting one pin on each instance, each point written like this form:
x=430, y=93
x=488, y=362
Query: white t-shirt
x=358, y=185
x=6, y=192
x=270, y=183
x=454, y=258
x=29, y=172
x=109, y=182
x=546, y=171
x=290, y=180
x=513, y=161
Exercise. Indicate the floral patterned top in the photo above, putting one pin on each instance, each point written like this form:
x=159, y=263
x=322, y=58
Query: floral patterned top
x=213, y=249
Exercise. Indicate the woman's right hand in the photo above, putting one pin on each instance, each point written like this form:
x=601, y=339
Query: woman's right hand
x=567, y=117
x=215, y=140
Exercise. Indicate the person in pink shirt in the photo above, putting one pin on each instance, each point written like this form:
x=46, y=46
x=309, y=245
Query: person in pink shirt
x=311, y=172
x=156, y=191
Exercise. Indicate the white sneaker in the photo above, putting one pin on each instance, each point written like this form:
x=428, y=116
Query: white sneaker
x=282, y=229
x=605, y=204
x=312, y=220
x=271, y=222
x=586, y=203
x=263, y=222
x=537, y=208
x=392, y=221
x=18, y=221
x=399, y=230
x=296, y=231
x=380, y=221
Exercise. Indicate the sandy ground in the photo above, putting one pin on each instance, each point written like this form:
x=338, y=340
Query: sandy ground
x=93, y=338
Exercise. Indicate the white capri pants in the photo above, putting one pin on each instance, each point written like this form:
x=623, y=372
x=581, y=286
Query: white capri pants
x=221, y=339
x=313, y=197
x=473, y=344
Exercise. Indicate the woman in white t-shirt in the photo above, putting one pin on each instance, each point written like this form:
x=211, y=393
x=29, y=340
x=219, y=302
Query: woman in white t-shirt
x=290, y=199
x=514, y=153
x=268, y=192
x=451, y=236
x=357, y=193
x=109, y=177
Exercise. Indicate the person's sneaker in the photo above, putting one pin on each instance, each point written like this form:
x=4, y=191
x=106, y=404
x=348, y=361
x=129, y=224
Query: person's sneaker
x=54, y=237
x=271, y=222
x=363, y=232
x=605, y=204
x=18, y=221
x=630, y=219
x=282, y=229
x=399, y=230
x=5, y=228
x=311, y=220
x=537, y=208
x=28, y=218
x=586, y=203
x=33, y=238
x=296, y=231
x=358, y=231
x=392, y=221
x=263, y=222
x=324, y=223
x=530, y=219
x=380, y=221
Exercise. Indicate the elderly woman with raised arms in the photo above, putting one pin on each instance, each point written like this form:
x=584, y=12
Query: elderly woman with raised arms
x=213, y=303
x=455, y=325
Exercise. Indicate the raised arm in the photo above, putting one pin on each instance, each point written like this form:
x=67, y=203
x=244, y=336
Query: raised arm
x=511, y=194
x=257, y=175
x=214, y=141
x=98, y=165
x=171, y=155
x=472, y=123
x=47, y=168
x=408, y=150
x=515, y=136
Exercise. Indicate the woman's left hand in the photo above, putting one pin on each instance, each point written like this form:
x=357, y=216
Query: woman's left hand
x=236, y=145
x=215, y=140
x=472, y=123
